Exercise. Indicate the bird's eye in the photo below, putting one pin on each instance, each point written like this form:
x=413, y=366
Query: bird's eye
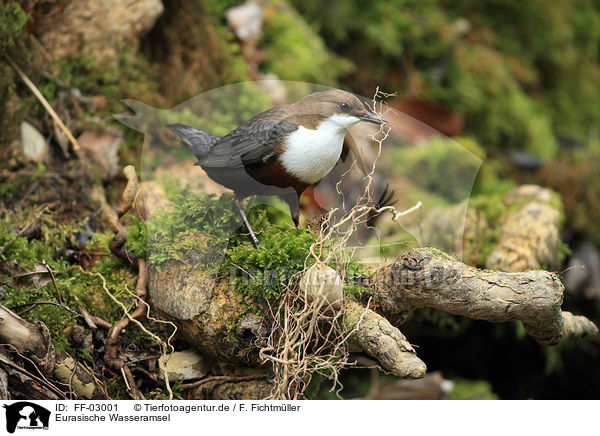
x=344, y=106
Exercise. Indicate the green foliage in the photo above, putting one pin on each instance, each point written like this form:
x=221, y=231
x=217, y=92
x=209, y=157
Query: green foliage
x=548, y=45
x=202, y=229
x=520, y=72
x=35, y=250
x=295, y=51
x=471, y=390
x=12, y=26
x=499, y=113
x=284, y=252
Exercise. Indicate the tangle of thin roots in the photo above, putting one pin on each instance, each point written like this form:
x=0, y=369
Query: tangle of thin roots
x=307, y=336
x=112, y=355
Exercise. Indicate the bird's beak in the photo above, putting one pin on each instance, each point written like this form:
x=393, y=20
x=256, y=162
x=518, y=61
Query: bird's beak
x=372, y=118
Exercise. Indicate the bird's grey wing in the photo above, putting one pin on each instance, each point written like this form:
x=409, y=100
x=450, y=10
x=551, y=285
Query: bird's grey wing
x=252, y=143
x=199, y=142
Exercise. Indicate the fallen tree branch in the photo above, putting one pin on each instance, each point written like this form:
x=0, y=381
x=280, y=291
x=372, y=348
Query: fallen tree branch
x=423, y=278
x=529, y=236
x=374, y=335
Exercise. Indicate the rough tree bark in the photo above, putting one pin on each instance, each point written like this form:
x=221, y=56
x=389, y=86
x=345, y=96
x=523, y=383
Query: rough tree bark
x=422, y=278
x=529, y=236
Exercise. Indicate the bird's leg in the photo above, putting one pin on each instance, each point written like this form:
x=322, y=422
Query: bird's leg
x=238, y=204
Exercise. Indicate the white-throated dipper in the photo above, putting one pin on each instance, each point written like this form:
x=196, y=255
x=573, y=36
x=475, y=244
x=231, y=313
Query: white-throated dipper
x=281, y=151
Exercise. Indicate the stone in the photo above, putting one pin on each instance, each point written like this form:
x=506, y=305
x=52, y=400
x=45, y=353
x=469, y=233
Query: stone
x=323, y=285
x=98, y=28
x=35, y=147
x=246, y=21
x=183, y=365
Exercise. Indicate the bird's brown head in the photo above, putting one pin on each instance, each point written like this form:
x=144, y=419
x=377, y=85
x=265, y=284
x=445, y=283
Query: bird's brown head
x=335, y=104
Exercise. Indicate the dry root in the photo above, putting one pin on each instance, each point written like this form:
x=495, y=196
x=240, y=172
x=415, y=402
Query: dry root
x=529, y=236
x=116, y=245
x=374, y=335
x=422, y=278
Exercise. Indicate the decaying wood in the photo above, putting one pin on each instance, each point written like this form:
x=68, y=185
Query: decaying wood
x=33, y=342
x=529, y=235
x=22, y=335
x=374, y=335
x=422, y=278
x=207, y=313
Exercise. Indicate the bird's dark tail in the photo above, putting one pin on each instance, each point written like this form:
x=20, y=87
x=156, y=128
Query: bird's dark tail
x=199, y=142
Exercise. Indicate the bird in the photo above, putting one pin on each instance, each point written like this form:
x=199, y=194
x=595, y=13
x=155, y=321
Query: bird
x=281, y=151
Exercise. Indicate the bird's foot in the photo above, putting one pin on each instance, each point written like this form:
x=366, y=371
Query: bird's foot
x=253, y=237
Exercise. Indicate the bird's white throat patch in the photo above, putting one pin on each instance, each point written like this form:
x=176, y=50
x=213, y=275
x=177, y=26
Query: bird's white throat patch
x=310, y=154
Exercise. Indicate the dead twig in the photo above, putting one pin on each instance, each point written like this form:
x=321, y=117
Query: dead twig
x=44, y=103
x=60, y=299
x=34, y=304
x=47, y=384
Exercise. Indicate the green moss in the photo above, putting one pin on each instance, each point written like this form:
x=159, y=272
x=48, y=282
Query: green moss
x=196, y=219
x=471, y=390
x=518, y=82
x=28, y=251
x=47, y=245
x=295, y=51
x=202, y=229
x=479, y=75
x=163, y=394
x=437, y=252
x=12, y=26
x=116, y=387
x=284, y=252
